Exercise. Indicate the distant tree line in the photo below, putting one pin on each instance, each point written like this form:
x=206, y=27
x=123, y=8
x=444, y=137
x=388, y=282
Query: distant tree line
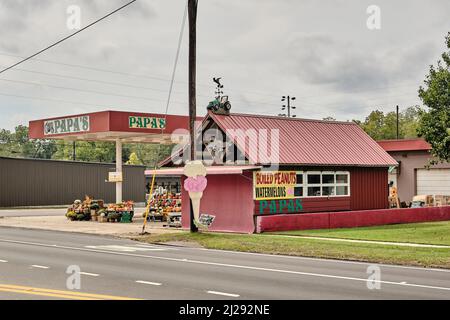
x=17, y=144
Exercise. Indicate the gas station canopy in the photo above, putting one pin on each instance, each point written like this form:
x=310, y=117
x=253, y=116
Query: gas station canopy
x=127, y=127
x=114, y=126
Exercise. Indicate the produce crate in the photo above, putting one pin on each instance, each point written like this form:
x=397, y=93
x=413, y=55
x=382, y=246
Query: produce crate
x=127, y=217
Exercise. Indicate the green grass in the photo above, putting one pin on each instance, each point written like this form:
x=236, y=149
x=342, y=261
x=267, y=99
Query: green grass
x=275, y=244
x=425, y=233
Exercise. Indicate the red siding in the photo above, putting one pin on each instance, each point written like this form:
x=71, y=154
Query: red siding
x=369, y=188
x=228, y=197
x=315, y=205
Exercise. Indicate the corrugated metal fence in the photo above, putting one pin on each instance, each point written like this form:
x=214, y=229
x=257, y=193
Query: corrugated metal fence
x=32, y=182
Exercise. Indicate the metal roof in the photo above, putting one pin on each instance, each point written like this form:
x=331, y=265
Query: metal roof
x=308, y=142
x=209, y=170
x=405, y=145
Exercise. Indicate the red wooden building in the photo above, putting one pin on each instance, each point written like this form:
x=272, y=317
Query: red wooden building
x=284, y=166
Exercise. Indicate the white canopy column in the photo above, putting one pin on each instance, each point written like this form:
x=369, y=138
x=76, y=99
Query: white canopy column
x=119, y=170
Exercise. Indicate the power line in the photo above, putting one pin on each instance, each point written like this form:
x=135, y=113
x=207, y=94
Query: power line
x=64, y=101
x=179, y=92
x=90, y=68
x=68, y=37
x=90, y=80
x=87, y=91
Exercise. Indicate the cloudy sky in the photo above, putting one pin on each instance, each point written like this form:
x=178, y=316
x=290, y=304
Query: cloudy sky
x=319, y=51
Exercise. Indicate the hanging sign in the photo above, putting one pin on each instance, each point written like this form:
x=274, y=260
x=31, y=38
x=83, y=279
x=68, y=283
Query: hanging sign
x=67, y=125
x=146, y=122
x=274, y=184
x=115, y=177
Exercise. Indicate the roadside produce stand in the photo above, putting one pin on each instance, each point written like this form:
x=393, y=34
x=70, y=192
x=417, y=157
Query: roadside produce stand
x=95, y=210
x=164, y=205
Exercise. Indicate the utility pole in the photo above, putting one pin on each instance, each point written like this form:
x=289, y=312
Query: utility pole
x=397, y=123
x=288, y=105
x=192, y=16
x=74, y=150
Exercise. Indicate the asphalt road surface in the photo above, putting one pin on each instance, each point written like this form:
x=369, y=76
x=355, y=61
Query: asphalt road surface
x=33, y=265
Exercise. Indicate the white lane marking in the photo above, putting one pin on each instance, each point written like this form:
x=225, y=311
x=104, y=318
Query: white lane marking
x=39, y=267
x=126, y=248
x=148, y=282
x=89, y=274
x=228, y=265
x=3, y=261
x=329, y=260
x=403, y=282
x=223, y=294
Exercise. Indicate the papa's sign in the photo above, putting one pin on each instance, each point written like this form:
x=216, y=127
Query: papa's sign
x=67, y=125
x=146, y=122
x=279, y=206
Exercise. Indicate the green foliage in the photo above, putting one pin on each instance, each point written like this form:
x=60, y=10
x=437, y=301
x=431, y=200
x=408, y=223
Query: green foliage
x=150, y=154
x=17, y=144
x=134, y=160
x=435, y=122
x=381, y=126
x=89, y=151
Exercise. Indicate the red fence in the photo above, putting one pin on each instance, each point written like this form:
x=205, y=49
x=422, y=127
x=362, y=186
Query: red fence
x=350, y=219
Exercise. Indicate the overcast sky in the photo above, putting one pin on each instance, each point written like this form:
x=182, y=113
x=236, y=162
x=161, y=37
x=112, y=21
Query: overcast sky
x=319, y=51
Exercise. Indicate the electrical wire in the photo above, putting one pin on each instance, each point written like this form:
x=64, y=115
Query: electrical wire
x=180, y=92
x=87, y=91
x=180, y=38
x=67, y=37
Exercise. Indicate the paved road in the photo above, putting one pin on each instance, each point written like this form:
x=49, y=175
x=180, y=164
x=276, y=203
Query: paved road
x=33, y=265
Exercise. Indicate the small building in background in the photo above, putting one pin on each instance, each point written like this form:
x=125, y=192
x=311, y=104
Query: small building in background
x=412, y=177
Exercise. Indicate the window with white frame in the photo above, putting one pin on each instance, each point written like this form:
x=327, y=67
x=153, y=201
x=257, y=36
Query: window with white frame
x=322, y=184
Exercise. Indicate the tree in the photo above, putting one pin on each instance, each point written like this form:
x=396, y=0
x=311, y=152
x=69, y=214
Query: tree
x=381, y=126
x=409, y=122
x=89, y=151
x=151, y=154
x=434, y=123
x=18, y=144
x=134, y=160
x=374, y=124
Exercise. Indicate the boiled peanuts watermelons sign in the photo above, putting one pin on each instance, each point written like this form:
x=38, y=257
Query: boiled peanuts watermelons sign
x=146, y=122
x=67, y=125
x=274, y=192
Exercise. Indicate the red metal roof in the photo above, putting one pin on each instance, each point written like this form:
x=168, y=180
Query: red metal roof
x=309, y=142
x=405, y=145
x=209, y=170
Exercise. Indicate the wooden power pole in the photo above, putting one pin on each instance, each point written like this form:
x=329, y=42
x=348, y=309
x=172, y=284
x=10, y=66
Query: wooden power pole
x=192, y=15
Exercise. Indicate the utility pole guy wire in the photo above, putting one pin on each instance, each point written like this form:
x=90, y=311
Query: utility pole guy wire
x=69, y=36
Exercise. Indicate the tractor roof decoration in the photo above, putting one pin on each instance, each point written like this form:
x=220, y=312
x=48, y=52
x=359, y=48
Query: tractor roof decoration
x=220, y=105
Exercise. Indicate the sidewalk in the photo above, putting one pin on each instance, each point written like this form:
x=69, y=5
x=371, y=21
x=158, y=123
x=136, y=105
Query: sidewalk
x=60, y=223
